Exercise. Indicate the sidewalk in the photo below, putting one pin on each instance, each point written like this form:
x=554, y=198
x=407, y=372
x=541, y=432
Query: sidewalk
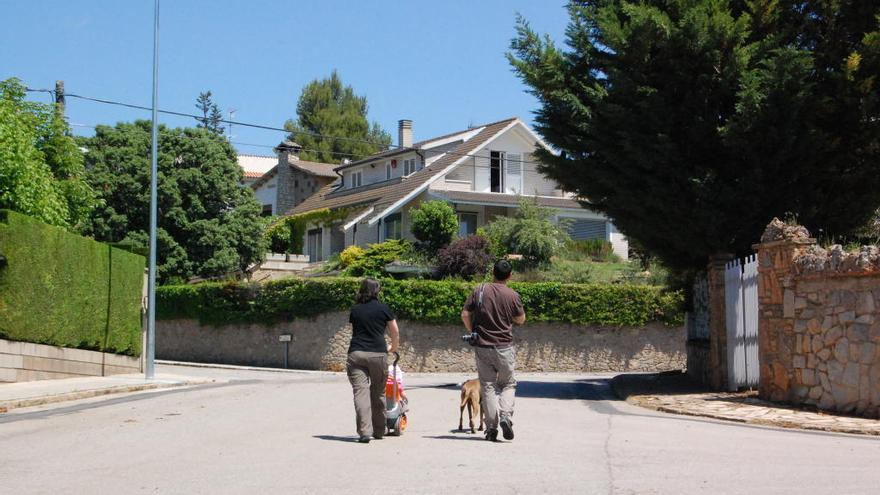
x=674, y=393
x=41, y=392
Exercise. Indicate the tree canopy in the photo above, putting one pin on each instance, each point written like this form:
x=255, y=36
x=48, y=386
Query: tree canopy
x=434, y=224
x=41, y=167
x=212, y=117
x=328, y=108
x=692, y=123
x=208, y=224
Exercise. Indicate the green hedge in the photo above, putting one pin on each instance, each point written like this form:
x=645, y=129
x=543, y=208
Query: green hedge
x=416, y=300
x=62, y=289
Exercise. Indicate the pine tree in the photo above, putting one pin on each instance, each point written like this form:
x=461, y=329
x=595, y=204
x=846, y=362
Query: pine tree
x=212, y=117
x=691, y=123
x=328, y=108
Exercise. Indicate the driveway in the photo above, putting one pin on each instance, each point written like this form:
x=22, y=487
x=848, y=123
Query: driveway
x=263, y=432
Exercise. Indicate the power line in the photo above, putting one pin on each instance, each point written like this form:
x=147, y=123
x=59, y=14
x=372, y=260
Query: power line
x=272, y=128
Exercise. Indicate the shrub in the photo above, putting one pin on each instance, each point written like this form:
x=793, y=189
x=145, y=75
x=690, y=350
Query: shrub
x=415, y=300
x=467, y=257
x=434, y=224
x=589, y=249
x=529, y=233
x=349, y=255
x=372, y=262
x=62, y=289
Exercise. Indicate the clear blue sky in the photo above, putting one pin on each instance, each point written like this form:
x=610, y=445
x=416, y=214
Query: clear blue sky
x=440, y=64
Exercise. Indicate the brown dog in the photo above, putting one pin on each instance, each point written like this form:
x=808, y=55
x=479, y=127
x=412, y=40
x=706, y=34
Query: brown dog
x=472, y=398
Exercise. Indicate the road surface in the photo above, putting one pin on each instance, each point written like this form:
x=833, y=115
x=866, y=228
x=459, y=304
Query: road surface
x=264, y=432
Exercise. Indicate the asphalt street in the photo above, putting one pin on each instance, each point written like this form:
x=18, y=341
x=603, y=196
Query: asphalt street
x=264, y=432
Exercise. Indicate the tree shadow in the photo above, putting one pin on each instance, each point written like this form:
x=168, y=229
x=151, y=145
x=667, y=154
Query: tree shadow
x=456, y=437
x=594, y=389
x=336, y=438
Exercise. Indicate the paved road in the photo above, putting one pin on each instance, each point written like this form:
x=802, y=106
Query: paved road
x=294, y=433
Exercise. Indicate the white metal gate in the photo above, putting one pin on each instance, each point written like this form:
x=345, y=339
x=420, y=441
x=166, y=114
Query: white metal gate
x=741, y=298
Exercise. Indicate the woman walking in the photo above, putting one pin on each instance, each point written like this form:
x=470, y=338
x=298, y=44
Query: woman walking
x=366, y=366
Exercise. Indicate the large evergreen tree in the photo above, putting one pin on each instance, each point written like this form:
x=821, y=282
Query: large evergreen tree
x=328, y=108
x=208, y=224
x=41, y=168
x=691, y=123
x=212, y=117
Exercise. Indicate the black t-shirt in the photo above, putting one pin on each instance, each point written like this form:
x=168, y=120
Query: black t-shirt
x=368, y=323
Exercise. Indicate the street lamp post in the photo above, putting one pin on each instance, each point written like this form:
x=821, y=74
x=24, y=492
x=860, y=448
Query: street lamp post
x=150, y=351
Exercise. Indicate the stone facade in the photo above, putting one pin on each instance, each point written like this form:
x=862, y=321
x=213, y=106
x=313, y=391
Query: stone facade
x=322, y=343
x=819, y=323
x=24, y=361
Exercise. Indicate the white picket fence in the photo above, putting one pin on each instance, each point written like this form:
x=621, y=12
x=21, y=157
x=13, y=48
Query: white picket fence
x=741, y=297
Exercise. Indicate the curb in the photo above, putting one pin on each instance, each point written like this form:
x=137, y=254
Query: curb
x=243, y=368
x=634, y=399
x=90, y=393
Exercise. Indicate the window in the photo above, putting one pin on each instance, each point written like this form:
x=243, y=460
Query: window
x=296, y=183
x=387, y=171
x=393, y=227
x=409, y=166
x=267, y=211
x=357, y=179
x=496, y=171
x=467, y=224
x=315, y=245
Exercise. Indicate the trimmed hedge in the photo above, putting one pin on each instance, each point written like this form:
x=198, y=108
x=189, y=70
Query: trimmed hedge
x=417, y=300
x=62, y=289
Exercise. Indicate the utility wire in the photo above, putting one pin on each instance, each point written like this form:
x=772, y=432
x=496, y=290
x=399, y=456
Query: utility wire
x=267, y=127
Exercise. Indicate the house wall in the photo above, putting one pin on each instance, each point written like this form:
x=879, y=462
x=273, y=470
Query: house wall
x=294, y=185
x=377, y=173
x=535, y=182
x=267, y=194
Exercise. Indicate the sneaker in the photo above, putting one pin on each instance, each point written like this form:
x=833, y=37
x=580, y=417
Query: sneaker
x=364, y=439
x=378, y=437
x=507, y=428
x=492, y=434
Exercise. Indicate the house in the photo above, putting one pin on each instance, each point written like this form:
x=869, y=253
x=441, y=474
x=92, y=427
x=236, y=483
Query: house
x=291, y=180
x=481, y=171
x=254, y=166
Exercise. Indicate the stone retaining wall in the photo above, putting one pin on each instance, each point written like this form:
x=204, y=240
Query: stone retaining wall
x=322, y=342
x=24, y=361
x=819, y=323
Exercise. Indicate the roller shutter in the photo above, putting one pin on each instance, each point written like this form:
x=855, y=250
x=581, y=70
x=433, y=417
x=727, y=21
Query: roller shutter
x=580, y=228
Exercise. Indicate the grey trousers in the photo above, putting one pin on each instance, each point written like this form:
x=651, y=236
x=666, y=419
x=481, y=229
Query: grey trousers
x=495, y=367
x=367, y=372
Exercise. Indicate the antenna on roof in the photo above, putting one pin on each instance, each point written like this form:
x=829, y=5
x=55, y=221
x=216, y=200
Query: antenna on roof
x=231, y=118
x=470, y=124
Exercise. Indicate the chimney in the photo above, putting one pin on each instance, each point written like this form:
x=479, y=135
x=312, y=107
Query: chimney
x=404, y=133
x=290, y=148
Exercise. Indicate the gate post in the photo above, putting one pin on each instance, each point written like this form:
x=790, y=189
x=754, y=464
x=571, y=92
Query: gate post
x=717, y=321
x=780, y=244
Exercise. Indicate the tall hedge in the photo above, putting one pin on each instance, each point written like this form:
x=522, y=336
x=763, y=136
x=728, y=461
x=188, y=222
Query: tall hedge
x=416, y=300
x=62, y=289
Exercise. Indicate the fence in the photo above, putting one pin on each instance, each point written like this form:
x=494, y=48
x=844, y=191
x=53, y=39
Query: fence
x=741, y=303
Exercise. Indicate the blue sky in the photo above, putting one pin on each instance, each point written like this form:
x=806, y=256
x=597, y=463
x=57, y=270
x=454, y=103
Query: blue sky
x=440, y=64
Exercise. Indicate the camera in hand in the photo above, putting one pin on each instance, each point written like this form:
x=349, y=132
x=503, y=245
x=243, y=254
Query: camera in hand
x=470, y=338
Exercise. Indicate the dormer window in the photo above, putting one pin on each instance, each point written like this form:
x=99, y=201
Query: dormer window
x=357, y=179
x=409, y=166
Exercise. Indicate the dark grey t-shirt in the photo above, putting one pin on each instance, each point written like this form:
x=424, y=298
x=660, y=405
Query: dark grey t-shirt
x=493, y=322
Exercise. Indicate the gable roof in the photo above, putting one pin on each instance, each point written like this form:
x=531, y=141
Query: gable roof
x=385, y=197
x=313, y=168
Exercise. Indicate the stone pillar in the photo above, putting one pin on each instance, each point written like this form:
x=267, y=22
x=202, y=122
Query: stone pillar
x=776, y=306
x=717, y=322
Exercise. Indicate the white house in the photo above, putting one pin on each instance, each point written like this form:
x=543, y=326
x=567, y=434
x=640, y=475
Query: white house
x=481, y=171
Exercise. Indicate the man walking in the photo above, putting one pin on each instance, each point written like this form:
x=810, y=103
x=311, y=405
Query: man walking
x=491, y=311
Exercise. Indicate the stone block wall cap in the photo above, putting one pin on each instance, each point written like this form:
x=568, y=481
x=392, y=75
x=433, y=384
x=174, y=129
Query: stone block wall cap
x=777, y=230
x=784, y=242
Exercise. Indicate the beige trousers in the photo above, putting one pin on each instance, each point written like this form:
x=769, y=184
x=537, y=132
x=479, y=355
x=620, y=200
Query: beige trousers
x=495, y=367
x=367, y=372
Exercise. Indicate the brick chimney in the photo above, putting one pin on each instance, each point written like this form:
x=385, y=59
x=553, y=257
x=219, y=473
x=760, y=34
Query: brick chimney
x=404, y=133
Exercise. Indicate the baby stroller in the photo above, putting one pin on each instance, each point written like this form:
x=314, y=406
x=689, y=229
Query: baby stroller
x=395, y=400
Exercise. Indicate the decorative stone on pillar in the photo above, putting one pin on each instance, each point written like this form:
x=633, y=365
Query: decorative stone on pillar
x=780, y=244
x=717, y=322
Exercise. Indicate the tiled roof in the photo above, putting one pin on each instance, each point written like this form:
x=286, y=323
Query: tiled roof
x=256, y=163
x=252, y=175
x=386, y=195
x=506, y=199
x=314, y=168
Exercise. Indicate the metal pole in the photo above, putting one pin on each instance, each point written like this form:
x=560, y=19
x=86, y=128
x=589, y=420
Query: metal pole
x=149, y=366
x=286, y=352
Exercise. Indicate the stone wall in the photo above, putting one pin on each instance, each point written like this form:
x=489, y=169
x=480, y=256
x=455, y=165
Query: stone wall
x=24, y=361
x=819, y=323
x=322, y=342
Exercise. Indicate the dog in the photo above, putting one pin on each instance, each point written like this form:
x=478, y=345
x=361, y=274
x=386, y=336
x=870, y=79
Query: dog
x=471, y=397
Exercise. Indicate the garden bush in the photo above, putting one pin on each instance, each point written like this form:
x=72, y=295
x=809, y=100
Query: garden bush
x=62, y=289
x=350, y=255
x=530, y=233
x=467, y=257
x=434, y=224
x=589, y=249
x=415, y=300
x=376, y=256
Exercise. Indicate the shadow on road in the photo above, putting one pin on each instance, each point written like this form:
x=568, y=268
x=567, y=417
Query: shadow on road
x=598, y=389
x=336, y=438
x=468, y=436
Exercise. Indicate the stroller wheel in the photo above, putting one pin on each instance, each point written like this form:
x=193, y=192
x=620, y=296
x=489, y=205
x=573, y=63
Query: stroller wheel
x=395, y=426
